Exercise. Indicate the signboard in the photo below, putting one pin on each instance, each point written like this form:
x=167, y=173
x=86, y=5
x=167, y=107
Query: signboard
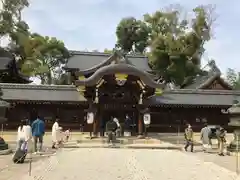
x=147, y=119
x=90, y=117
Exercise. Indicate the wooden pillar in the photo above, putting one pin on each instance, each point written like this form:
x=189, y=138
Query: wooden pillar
x=95, y=124
x=140, y=124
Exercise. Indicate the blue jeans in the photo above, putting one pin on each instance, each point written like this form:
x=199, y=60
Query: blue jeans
x=37, y=139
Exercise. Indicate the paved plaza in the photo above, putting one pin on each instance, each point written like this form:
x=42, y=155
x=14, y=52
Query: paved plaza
x=125, y=164
x=135, y=164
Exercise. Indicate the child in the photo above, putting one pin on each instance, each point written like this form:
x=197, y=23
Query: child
x=67, y=134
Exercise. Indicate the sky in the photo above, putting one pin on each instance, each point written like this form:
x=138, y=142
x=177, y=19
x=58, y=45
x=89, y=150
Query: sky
x=91, y=24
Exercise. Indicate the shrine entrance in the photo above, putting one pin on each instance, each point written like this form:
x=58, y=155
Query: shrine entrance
x=116, y=88
x=119, y=111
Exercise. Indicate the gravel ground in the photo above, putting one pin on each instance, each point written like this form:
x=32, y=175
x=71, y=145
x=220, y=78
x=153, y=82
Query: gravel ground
x=127, y=164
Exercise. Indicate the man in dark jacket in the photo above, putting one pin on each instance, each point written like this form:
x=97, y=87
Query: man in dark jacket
x=111, y=128
x=38, y=131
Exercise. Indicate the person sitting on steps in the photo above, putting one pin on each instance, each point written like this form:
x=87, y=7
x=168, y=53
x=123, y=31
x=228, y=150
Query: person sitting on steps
x=111, y=128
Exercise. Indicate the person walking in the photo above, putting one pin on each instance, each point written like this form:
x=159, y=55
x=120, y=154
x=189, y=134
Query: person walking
x=189, y=138
x=204, y=135
x=55, y=134
x=221, y=136
x=38, y=131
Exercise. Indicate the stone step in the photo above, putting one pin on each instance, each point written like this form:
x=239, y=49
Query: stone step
x=121, y=141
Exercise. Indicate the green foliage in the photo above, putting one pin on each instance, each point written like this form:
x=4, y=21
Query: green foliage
x=233, y=78
x=132, y=35
x=37, y=55
x=46, y=54
x=108, y=51
x=175, y=44
x=10, y=15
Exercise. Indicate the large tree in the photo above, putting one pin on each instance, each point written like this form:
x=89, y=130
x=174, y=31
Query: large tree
x=49, y=55
x=175, y=44
x=10, y=16
x=233, y=78
x=37, y=55
x=132, y=35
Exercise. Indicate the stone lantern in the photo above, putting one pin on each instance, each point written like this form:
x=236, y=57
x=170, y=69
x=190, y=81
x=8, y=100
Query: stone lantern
x=234, y=113
x=3, y=106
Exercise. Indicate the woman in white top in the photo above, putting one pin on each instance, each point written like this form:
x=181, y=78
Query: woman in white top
x=24, y=135
x=20, y=134
x=55, y=134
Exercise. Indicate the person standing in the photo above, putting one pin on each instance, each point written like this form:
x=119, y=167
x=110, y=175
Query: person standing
x=118, y=131
x=55, y=133
x=20, y=136
x=189, y=138
x=205, y=133
x=38, y=131
x=221, y=136
x=127, y=126
x=27, y=132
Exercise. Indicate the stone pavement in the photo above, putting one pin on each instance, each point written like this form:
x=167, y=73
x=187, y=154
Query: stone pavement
x=126, y=164
x=9, y=170
x=7, y=167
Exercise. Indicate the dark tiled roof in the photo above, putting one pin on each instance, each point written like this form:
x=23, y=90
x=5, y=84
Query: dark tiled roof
x=29, y=92
x=87, y=60
x=196, y=97
x=4, y=62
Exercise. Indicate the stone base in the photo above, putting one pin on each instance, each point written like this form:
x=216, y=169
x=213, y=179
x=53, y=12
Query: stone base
x=3, y=144
x=140, y=136
x=233, y=147
x=6, y=152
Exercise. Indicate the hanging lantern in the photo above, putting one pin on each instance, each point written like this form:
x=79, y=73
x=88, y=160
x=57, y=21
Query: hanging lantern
x=147, y=119
x=90, y=117
x=121, y=78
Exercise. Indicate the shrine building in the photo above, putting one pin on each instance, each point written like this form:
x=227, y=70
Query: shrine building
x=113, y=85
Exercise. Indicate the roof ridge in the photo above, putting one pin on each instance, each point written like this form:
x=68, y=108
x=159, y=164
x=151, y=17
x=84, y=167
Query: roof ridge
x=203, y=91
x=74, y=52
x=34, y=86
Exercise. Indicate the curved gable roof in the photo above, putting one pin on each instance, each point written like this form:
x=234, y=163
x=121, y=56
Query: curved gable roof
x=119, y=68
